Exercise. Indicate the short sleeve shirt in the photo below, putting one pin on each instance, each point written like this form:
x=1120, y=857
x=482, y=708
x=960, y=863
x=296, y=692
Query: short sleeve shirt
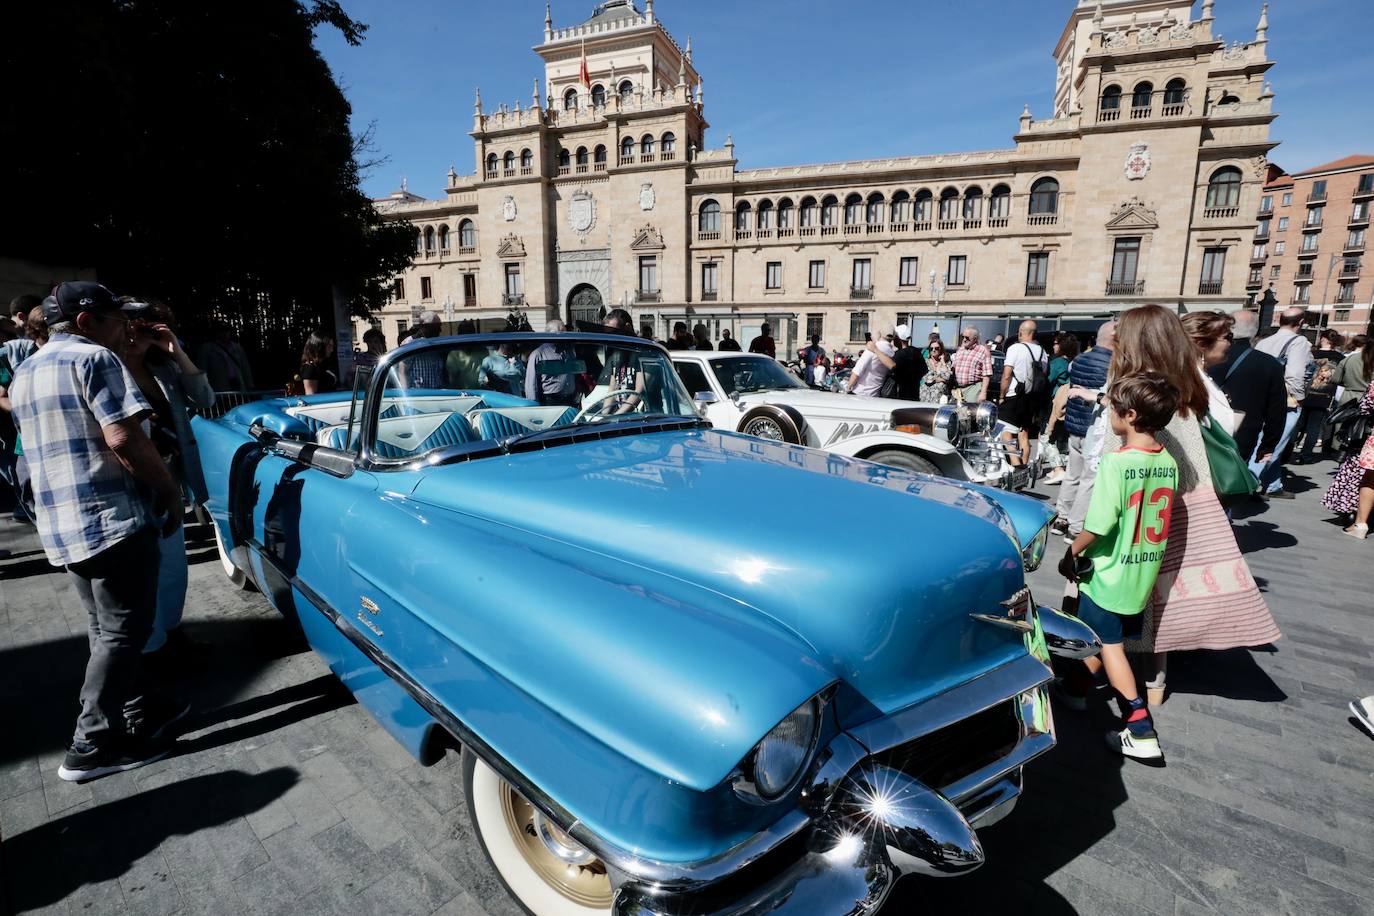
x=63, y=396
x=1019, y=357
x=1132, y=502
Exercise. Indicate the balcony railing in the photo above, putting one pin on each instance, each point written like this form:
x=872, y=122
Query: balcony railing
x=1262, y=235
x=829, y=230
x=1140, y=112
x=1316, y=197
x=1042, y=219
x=508, y=173
x=667, y=156
x=765, y=233
x=1254, y=283
x=861, y=292
x=711, y=236
x=874, y=228
x=853, y=229
x=807, y=230
x=1365, y=189
x=1349, y=270
x=973, y=224
x=582, y=168
x=1311, y=225
x=1304, y=276
x=626, y=160
x=1171, y=109
x=512, y=299
x=1109, y=114
x=1344, y=298
x=1295, y=299
x=646, y=157
x=491, y=173
x=469, y=302
x=1354, y=246
x=1306, y=252
x=1209, y=288
x=526, y=170
x=997, y=222
x=598, y=166
x=467, y=249
x=786, y=232
x=921, y=225
x=565, y=170
x=1259, y=253
x=1125, y=287
x=744, y=233
x=648, y=295
x=1220, y=212
x=949, y=224
x=1035, y=289
x=709, y=295
x=1358, y=217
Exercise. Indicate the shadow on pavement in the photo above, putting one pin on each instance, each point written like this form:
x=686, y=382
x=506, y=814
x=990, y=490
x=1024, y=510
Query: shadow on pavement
x=68, y=852
x=1231, y=673
x=1255, y=536
x=1070, y=794
x=291, y=704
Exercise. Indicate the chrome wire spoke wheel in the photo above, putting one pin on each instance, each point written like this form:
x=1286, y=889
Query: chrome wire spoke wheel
x=764, y=428
x=547, y=871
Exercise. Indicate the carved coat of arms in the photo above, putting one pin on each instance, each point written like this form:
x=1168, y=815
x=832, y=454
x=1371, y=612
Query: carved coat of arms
x=582, y=211
x=1137, y=162
x=646, y=196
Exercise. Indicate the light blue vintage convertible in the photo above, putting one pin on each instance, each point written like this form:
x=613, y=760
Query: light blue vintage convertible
x=668, y=697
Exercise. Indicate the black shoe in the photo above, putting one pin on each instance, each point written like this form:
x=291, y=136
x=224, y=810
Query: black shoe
x=1060, y=526
x=1281, y=494
x=87, y=761
x=157, y=718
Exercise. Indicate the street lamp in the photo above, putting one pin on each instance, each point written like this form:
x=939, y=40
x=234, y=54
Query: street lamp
x=1326, y=287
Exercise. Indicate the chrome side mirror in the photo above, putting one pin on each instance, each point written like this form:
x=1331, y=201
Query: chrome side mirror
x=704, y=398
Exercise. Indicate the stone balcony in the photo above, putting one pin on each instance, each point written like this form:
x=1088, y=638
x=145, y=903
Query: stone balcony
x=887, y=230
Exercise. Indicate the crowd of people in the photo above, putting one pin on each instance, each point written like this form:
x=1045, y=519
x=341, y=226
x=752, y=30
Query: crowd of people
x=96, y=394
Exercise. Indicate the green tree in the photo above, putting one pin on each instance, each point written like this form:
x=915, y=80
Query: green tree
x=198, y=152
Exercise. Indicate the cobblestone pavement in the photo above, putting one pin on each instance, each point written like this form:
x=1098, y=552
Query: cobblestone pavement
x=288, y=798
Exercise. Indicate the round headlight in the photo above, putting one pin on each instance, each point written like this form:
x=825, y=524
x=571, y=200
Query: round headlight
x=946, y=424
x=985, y=416
x=780, y=756
x=1034, y=552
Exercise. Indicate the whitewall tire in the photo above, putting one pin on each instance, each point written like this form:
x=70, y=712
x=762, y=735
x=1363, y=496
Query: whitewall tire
x=536, y=878
x=237, y=577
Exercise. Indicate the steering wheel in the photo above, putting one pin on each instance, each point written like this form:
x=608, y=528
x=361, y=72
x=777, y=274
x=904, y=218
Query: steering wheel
x=596, y=409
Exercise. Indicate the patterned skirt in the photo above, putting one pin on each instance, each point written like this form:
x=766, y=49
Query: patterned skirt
x=1343, y=496
x=1205, y=597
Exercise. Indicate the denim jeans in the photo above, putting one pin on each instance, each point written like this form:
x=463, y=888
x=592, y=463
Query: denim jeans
x=171, y=588
x=1270, y=473
x=118, y=588
x=1310, y=425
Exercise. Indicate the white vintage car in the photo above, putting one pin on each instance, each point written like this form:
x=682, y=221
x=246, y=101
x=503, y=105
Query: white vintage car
x=754, y=394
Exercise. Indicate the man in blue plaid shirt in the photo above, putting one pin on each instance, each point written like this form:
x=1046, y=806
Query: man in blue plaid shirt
x=100, y=490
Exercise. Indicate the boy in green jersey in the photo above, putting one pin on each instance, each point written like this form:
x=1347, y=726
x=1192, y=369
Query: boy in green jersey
x=1124, y=536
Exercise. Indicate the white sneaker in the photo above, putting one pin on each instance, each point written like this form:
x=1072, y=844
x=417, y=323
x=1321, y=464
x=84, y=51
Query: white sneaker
x=1132, y=745
x=1364, y=713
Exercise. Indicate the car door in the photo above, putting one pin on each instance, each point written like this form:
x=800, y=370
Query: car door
x=696, y=376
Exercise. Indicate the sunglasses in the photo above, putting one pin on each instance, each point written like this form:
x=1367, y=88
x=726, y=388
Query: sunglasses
x=968, y=338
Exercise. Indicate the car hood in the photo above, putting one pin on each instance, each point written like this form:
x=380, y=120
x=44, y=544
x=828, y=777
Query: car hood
x=827, y=403
x=705, y=584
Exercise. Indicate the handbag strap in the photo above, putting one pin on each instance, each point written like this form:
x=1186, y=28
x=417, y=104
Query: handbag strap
x=1236, y=365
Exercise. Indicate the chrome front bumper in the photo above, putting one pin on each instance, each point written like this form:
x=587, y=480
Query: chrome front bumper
x=871, y=823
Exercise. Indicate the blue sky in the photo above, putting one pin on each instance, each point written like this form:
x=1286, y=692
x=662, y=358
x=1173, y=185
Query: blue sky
x=799, y=81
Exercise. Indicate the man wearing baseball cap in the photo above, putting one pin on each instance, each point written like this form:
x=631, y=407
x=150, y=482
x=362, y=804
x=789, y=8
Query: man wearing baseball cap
x=101, y=493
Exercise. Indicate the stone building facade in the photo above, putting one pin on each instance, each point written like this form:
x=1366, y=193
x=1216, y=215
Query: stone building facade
x=1309, y=245
x=602, y=192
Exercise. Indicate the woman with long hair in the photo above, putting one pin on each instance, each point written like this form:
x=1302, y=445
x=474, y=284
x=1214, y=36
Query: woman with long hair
x=1205, y=596
x=1211, y=335
x=171, y=383
x=315, y=374
x=939, y=370
x=1352, y=490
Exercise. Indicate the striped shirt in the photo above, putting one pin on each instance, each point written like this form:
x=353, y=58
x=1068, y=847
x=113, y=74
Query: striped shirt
x=63, y=396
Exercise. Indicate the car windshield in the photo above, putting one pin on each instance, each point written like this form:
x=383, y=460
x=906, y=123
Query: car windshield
x=752, y=373
x=485, y=391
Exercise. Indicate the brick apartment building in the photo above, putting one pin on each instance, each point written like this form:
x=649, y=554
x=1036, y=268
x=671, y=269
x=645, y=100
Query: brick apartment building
x=1310, y=239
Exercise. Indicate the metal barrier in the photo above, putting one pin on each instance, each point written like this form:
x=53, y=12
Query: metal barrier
x=226, y=401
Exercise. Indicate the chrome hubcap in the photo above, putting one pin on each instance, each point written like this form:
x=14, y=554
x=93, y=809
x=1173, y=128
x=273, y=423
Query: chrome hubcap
x=560, y=861
x=764, y=429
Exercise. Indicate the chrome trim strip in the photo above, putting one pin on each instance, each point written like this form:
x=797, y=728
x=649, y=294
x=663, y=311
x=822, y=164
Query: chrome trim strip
x=1027, y=749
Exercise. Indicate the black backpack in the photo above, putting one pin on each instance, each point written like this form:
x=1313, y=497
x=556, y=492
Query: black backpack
x=1039, y=383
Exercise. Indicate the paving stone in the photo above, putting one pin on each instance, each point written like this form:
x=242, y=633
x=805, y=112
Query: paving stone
x=22, y=812
x=374, y=823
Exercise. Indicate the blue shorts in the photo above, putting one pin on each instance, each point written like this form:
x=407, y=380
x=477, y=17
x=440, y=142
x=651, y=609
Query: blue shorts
x=1110, y=627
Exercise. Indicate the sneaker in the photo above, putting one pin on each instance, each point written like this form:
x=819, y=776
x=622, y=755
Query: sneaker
x=157, y=718
x=87, y=761
x=1279, y=494
x=1360, y=531
x=1053, y=477
x=1364, y=713
x=1142, y=747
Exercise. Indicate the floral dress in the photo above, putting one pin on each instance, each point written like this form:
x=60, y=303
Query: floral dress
x=935, y=383
x=1343, y=496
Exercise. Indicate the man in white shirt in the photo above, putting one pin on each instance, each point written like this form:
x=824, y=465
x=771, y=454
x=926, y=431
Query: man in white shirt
x=1020, y=403
x=1294, y=353
x=869, y=374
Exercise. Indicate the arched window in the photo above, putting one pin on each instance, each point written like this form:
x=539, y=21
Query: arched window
x=627, y=148
x=809, y=211
x=764, y=217
x=1044, y=198
x=599, y=154
x=1223, y=188
x=999, y=204
x=564, y=159
x=443, y=237
x=901, y=207
x=924, y=203
x=853, y=205
x=742, y=210
x=467, y=234
x=508, y=160
x=873, y=213
x=830, y=210
x=429, y=238
x=419, y=240
x=570, y=100
x=646, y=145
x=526, y=159
x=1173, y=91
x=973, y=203
x=581, y=155
x=785, y=220
x=949, y=204
x=627, y=92
x=708, y=217
x=491, y=162
x=598, y=96
x=1111, y=98
x=669, y=142
x=1140, y=98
